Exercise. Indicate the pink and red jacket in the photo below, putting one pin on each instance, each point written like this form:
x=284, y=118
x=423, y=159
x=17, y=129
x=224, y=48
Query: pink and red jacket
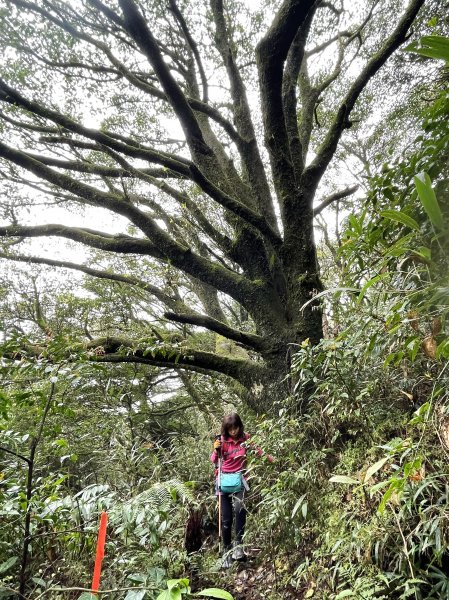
x=234, y=454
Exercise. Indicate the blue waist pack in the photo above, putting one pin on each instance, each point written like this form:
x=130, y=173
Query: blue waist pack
x=231, y=483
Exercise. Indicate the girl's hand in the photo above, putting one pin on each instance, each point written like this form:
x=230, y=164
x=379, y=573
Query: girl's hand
x=217, y=445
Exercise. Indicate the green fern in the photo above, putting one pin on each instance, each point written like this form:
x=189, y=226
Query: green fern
x=162, y=495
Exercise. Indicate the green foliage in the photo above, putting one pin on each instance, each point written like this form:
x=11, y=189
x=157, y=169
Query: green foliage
x=83, y=440
x=431, y=46
x=390, y=478
x=179, y=588
x=429, y=200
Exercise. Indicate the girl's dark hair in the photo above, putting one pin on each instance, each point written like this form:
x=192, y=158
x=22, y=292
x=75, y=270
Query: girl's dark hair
x=231, y=420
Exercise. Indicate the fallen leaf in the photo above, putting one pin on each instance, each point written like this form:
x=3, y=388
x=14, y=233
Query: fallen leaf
x=413, y=319
x=429, y=346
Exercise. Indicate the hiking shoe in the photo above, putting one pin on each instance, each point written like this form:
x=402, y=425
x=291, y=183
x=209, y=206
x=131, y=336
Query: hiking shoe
x=227, y=561
x=238, y=553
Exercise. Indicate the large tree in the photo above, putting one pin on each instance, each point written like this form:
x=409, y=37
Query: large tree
x=89, y=92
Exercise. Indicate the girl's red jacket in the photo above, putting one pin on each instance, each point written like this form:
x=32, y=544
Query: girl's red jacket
x=234, y=453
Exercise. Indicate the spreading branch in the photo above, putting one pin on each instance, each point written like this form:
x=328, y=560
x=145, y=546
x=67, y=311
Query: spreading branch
x=121, y=350
x=271, y=55
x=192, y=45
x=249, y=150
x=122, y=144
x=201, y=268
x=139, y=31
x=169, y=301
x=334, y=197
x=246, y=339
x=341, y=121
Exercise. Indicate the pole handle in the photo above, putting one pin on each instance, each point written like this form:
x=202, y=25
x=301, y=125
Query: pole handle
x=218, y=439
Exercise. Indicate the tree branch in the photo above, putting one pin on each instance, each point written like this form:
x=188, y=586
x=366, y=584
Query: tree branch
x=192, y=172
x=222, y=240
x=271, y=54
x=24, y=458
x=109, y=14
x=341, y=121
x=293, y=66
x=162, y=244
x=248, y=147
x=118, y=143
x=120, y=350
x=247, y=339
x=123, y=71
x=334, y=197
x=95, y=239
x=191, y=42
x=89, y=194
x=139, y=31
x=252, y=218
x=234, y=284
x=173, y=303
x=94, y=169
x=324, y=45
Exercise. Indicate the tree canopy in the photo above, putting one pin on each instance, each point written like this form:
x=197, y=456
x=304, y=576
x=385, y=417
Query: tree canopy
x=205, y=130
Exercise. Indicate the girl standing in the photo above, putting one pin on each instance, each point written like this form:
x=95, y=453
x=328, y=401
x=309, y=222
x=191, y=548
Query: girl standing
x=231, y=484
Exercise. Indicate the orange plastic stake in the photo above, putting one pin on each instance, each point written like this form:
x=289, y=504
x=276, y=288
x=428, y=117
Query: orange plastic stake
x=100, y=551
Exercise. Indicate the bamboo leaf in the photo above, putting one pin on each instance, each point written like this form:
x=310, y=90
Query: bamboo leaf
x=5, y=566
x=135, y=594
x=344, y=594
x=428, y=199
x=304, y=510
x=374, y=468
x=297, y=505
x=432, y=46
x=400, y=217
x=424, y=253
x=343, y=479
x=369, y=283
x=326, y=292
x=215, y=593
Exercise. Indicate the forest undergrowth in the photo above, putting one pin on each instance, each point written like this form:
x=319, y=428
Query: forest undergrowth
x=355, y=504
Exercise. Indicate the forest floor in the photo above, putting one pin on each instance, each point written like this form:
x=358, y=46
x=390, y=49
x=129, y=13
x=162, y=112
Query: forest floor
x=254, y=583
x=251, y=580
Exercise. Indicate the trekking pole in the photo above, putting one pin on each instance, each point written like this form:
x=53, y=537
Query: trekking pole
x=220, y=458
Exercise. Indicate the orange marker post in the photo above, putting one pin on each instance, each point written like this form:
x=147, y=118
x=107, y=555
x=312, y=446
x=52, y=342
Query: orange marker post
x=100, y=551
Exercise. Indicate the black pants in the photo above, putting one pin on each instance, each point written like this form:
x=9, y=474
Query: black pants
x=230, y=504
